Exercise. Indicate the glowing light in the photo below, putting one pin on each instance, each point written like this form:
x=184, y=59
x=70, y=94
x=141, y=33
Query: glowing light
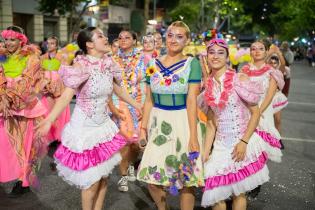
x=152, y=22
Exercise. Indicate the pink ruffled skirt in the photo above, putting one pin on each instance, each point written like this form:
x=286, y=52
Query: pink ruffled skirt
x=224, y=177
x=267, y=131
x=88, y=150
x=279, y=102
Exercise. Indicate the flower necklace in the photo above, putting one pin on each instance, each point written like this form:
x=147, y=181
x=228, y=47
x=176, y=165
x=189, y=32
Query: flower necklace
x=128, y=64
x=255, y=73
x=227, y=85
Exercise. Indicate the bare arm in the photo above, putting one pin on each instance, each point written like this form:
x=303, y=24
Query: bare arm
x=121, y=93
x=210, y=134
x=191, y=102
x=61, y=103
x=253, y=122
x=269, y=96
x=148, y=104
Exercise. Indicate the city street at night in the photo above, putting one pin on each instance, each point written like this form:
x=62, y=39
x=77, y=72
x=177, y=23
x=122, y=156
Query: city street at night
x=291, y=187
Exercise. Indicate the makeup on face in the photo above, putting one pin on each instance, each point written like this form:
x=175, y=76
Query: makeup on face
x=125, y=40
x=175, y=35
x=257, y=47
x=12, y=45
x=220, y=53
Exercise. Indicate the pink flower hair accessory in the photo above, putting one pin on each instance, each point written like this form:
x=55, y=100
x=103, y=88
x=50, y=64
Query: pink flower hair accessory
x=10, y=34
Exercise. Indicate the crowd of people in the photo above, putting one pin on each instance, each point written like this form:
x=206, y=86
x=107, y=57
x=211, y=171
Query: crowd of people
x=199, y=123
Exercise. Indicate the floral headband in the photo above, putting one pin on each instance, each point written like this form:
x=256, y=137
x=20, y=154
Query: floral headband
x=10, y=34
x=219, y=42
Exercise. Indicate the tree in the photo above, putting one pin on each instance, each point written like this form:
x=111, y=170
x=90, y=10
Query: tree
x=64, y=7
x=202, y=15
x=294, y=18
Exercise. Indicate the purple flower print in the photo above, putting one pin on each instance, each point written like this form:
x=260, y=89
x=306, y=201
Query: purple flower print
x=193, y=155
x=173, y=190
x=157, y=176
x=175, y=78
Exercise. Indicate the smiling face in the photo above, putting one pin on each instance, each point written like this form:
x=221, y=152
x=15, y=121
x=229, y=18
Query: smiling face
x=176, y=39
x=125, y=40
x=258, y=51
x=217, y=57
x=100, y=41
x=12, y=45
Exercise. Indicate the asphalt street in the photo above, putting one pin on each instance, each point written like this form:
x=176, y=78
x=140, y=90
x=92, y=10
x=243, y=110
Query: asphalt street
x=291, y=187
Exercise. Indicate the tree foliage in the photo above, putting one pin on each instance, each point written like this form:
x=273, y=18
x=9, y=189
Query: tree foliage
x=61, y=6
x=295, y=18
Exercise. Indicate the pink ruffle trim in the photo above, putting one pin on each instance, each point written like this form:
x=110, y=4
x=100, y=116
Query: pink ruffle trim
x=280, y=104
x=89, y=158
x=267, y=137
x=73, y=77
x=278, y=76
x=249, y=91
x=243, y=173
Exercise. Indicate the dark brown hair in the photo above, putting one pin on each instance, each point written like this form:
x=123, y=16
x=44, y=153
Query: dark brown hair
x=85, y=36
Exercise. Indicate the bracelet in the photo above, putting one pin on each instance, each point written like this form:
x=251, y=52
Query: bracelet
x=244, y=141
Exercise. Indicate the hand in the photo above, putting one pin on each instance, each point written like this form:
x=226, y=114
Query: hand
x=139, y=109
x=205, y=157
x=142, y=139
x=239, y=151
x=193, y=145
x=120, y=114
x=43, y=127
x=4, y=108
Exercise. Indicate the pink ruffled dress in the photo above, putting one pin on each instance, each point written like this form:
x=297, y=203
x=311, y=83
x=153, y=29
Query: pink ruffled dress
x=20, y=150
x=90, y=142
x=223, y=176
x=279, y=101
x=266, y=128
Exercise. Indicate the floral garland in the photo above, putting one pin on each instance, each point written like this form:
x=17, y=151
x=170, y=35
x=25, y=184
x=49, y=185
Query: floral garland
x=227, y=85
x=255, y=73
x=128, y=64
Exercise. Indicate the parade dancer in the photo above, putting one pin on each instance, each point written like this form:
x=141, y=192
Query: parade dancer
x=130, y=62
x=237, y=162
x=171, y=160
x=20, y=111
x=158, y=40
x=50, y=63
x=91, y=141
x=270, y=79
x=279, y=101
x=148, y=50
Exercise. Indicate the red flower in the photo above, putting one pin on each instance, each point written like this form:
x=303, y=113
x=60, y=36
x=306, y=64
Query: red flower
x=168, y=82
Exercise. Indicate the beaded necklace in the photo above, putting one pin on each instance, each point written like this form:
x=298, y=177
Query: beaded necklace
x=128, y=64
